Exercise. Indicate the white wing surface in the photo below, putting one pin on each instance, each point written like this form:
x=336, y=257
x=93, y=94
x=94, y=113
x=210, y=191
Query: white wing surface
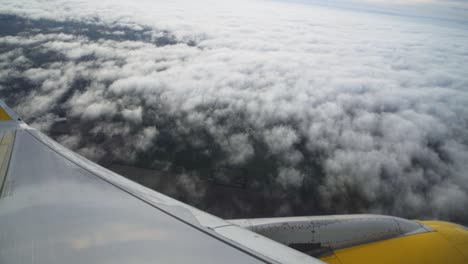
x=58, y=207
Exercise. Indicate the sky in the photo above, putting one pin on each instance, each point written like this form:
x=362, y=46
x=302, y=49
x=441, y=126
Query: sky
x=336, y=107
x=438, y=11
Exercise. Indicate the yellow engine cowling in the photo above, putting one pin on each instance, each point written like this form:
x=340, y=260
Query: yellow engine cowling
x=448, y=243
x=348, y=239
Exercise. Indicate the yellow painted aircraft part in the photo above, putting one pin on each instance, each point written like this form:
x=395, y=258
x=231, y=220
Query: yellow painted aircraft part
x=456, y=234
x=448, y=244
x=3, y=115
x=331, y=259
x=6, y=144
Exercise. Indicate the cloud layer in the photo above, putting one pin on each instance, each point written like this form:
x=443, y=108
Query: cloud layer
x=327, y=111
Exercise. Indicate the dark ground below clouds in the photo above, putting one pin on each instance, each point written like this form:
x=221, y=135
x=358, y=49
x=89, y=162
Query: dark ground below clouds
x=228, y=192
x=193, y=177
x=226, y=200
x=13, y=25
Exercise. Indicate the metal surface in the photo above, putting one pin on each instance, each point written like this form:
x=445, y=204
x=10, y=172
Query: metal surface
x=57, y=212
x=58, y=207
x=319, y=233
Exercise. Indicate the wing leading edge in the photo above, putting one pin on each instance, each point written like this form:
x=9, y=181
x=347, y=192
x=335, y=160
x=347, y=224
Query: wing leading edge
x=58, y=207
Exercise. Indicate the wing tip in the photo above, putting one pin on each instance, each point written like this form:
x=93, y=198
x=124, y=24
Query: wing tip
x=6, y=114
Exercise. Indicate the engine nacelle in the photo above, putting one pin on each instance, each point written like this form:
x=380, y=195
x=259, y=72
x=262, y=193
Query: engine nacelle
x=321, y=235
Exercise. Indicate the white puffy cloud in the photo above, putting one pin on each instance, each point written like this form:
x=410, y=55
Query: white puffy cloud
x=145, y=139
x=362, y=107
x=134, y=115
x=280, y=139
x=290, y=177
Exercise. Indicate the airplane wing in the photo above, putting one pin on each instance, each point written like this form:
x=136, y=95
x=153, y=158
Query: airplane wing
x=58, y=207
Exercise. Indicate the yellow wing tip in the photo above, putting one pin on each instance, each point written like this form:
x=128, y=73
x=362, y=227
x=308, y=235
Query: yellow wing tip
x=4, y=115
